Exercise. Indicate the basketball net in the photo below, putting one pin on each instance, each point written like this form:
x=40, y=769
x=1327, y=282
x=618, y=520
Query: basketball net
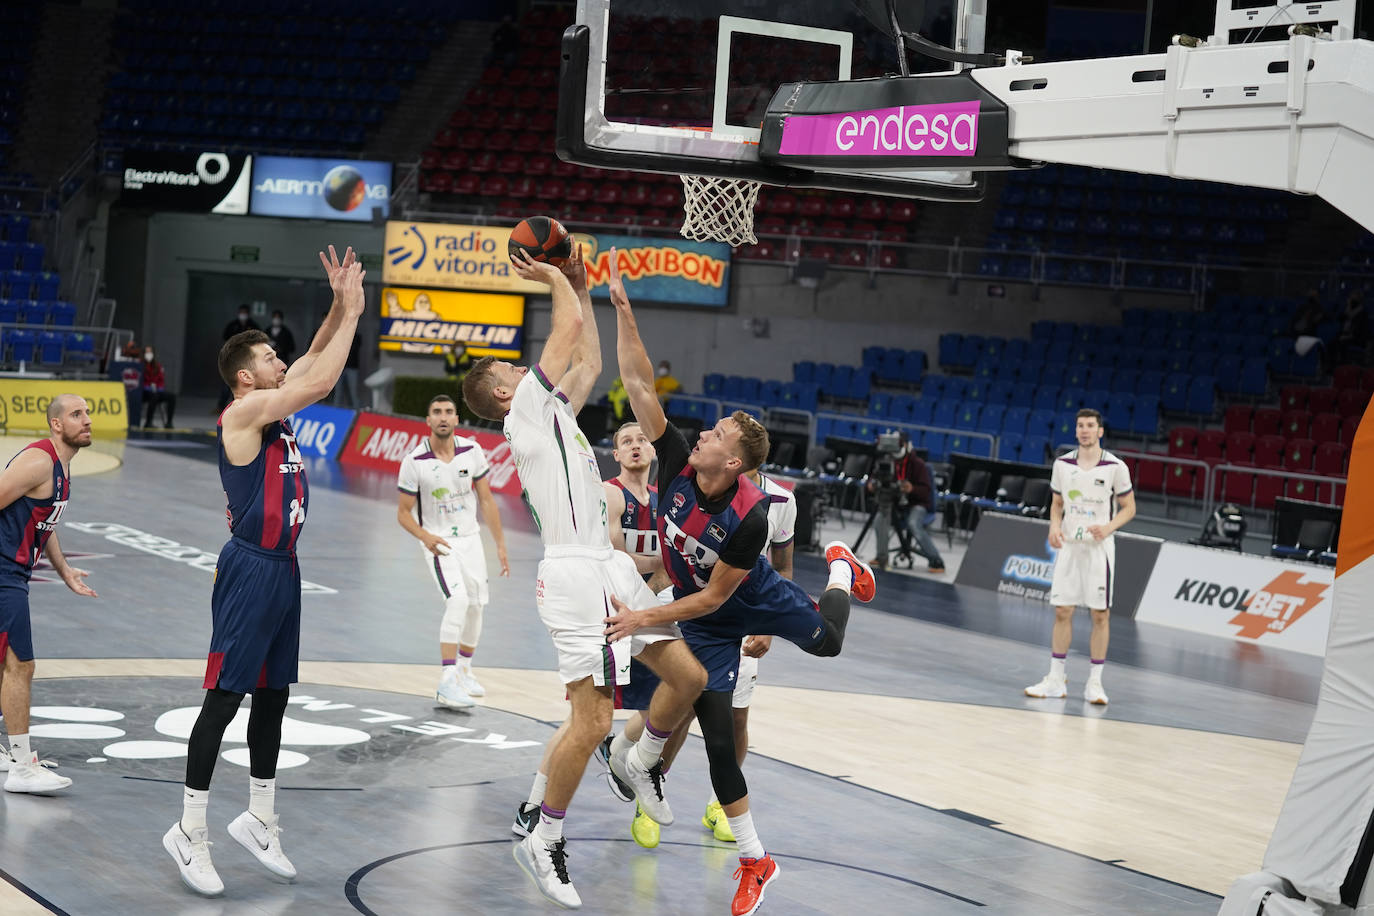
x=719, y=209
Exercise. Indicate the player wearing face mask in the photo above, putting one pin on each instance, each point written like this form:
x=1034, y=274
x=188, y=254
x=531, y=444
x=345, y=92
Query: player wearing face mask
x=155, y=391
x=283, y=341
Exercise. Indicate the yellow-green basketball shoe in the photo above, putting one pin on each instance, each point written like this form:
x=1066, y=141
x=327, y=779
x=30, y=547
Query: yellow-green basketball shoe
x=644, y=829
x=715, y=821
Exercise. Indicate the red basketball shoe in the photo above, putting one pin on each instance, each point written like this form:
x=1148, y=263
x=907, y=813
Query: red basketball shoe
x=864, y=587
x=754, y=877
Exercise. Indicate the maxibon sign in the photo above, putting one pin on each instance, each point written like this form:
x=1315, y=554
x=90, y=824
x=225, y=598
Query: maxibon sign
x=947, y=129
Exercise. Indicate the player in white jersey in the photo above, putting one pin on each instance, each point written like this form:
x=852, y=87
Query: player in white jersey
x=1092, y=499
x=442, y=482
x=580, y=572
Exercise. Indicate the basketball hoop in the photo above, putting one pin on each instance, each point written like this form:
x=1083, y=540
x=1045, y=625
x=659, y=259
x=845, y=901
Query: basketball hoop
x=719, y=209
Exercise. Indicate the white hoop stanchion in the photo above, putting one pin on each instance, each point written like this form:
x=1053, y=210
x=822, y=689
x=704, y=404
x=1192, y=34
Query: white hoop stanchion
x=719, y=209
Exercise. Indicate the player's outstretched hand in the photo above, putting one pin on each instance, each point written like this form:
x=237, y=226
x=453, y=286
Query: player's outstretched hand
x=502, y=559
x=616, y=286
x=73, y=577
x=538, y=271
x=575, y=269
x=624, y=623
x=335, y=269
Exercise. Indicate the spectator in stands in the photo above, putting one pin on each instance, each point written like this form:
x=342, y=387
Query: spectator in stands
x=1308, y=317
x=155, y=391
x=916, y=502
x=283, y=341
x=1352, y=343
x=664, y=381
x=242, y=322
x=457, y=362
x=618, y=398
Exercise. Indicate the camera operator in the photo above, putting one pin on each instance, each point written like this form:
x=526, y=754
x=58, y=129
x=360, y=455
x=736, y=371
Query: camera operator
x=901, y=480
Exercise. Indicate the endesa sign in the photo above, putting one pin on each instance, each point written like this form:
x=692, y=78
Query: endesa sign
x=207, y=182
x=380, y=441
x=1256, y=599
x=345, y=189
x=660, y=270
x=428, y=320
x=321, y=431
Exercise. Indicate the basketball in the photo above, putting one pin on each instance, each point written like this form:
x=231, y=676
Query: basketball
x=543, y=238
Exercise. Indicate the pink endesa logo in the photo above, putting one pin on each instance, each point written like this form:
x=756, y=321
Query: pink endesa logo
x=949, y=129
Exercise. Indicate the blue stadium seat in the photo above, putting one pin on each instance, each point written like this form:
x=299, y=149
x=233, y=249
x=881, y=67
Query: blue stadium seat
x=1034, y=449
x=1040, y=422
x=20, y=344
x=970, y=350
x=990, y=418
x=860, y=384
x=934, y=444
x=1046, y=398
x=872, y=357
x=50, y=347
x=61, y=314
x=1125, y=381
x=770, y=393
x=966, y=417
x=944, y=413
x=1145, y=417
x=1118, y=412
x=1022, y=395
x=804, y=371
x=1009, y=446
x=712, y=385
x=1254, y=376
x=899, y=408
x=1070, y=399
x=1202, y=395
x=9, y=311
x=1151, y=382
x=922, y=411
x=950, y=345
x=1174, y=396
x=1015, y=420
x=880, y=405
x=45, y=286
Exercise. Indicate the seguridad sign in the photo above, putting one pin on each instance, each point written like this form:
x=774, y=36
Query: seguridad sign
x=381, y=441
x=1256, y=599
x=24, y=404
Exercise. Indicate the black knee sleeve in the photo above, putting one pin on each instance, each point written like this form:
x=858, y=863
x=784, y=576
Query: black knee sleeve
x=203, y=746
x=717, y=721
x=834, y=608
x=264, y=730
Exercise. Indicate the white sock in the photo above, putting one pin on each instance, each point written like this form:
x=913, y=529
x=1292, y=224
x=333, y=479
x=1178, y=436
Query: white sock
x=19, y=744
x=1095, y=672
x=549, y=830
x=650, y=745
x=193, y=809
x=620, y=744
x=1057, y=667
x=464, y=664
x=262, y=798
x=746, y=838
x=841, y=575
x=541, y=782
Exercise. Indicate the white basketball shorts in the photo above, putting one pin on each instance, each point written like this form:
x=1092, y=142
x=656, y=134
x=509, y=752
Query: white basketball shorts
x=1083, y=574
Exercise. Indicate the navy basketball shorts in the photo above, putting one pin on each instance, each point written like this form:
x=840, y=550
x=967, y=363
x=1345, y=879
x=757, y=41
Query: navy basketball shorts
x=256, y=611
x=16, y=632
x=640, y=690
x=770, y=606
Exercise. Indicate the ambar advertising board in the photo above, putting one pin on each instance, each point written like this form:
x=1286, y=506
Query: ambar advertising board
x=1013, y=556
x=1254, y=599
x=380, y=441
x=196, y=182
x=673, y=271
x=429, y=320
x=24, y=405
x=343, y=189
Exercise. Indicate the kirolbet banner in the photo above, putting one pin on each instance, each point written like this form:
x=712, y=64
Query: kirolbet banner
x=1012, y=556
x=428, y=320
x=345, y=189
x=24, y=405
x=380, y=441
x=660, y=270
x=205, y=182
x=321, y=431
x=1254, y=599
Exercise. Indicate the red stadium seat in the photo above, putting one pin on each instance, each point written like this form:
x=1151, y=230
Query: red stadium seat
x=637, y=195
x=1297, y=454
x=462, y=117
x=1240, y=448
x=455, y=160
x=579, y=191
x=1346, y=377
x=539, y=166
x=521, y=187
x=840, y=208
x=1293, y=397
x=1322, y=400
x=511, y=164
x=1183, y=442
x=1238, y=487
x=1348, y=427
x=1331, y=459
x=1267, y=489
x=1269, y=451
x=901, y=211
x=446, y=138
x=1307, y=490
x=466, y=184
x=437, y=182
x=1180, y=481
x=552, y=189
x=482, y=162
x=1266, y=421
x=528, y=141
x=493, y=186
x=1150, y=476
x=811, y=206
x=1351, y=402
x=1211, y=444
x=1326, y=427
x=1296, y=424
x=870, y=208
x=609, y=193
x=429, y=160
x=1238, y=418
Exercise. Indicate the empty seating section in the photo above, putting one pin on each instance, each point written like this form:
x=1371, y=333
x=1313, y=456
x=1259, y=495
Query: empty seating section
x=1081, y=219
x=258, y=74
x=1310, y=432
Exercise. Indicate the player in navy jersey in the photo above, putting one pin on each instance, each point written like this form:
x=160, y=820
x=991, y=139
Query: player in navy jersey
x=34, y=489
x=256, y=604
x=712, y=527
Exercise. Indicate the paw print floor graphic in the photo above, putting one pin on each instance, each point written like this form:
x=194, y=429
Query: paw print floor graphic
x=332, y=737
